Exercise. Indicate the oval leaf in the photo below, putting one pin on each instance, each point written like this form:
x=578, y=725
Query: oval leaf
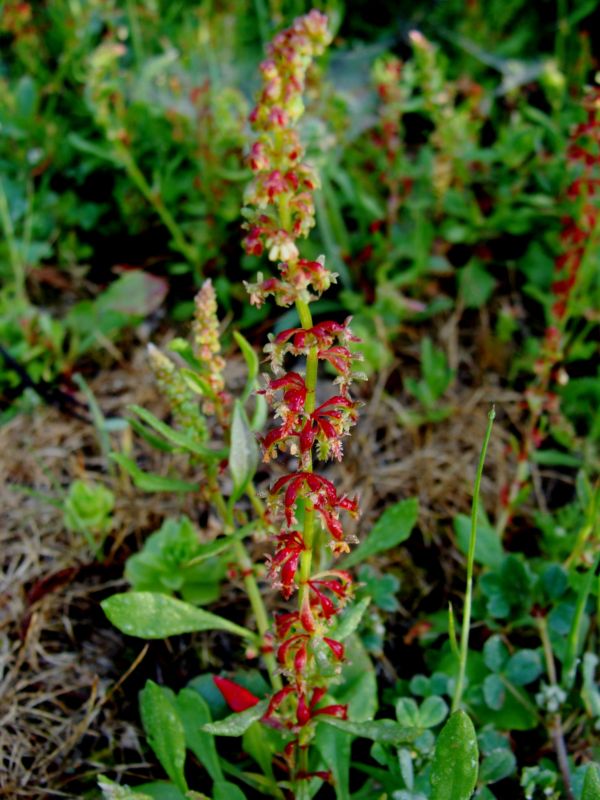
x=392, y=528
x=151, y=615
x=243, y=455
x=164, y=731
x=524, y=667
x=433, y=710
x=455, y=761
x=236, y=724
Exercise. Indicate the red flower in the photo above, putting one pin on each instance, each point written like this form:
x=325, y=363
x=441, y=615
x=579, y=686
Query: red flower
x=320, y=492
x=283, y=565
x=237, y=698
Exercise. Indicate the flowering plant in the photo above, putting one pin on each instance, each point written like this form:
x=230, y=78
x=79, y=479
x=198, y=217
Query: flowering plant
x=299, y=728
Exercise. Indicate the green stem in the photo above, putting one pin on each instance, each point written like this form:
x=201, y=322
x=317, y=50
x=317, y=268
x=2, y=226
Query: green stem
x=139, y=179
x=466, y=623
x=310, y=382
x=136, y=34
x=245, y=564
x=255, y=501
x=562, y=33
x=521, y=698
x=16, y=262
x=555, y=721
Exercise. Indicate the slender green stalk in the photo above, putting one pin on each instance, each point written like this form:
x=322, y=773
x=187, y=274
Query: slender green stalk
x=262, y=17
x=466, y=623
x=16, y=262
x=136, y=34
x=252, y=590
x=310, y=382
x=139, y=179
x=555, y=721
x=562, y=33
x=255, y=501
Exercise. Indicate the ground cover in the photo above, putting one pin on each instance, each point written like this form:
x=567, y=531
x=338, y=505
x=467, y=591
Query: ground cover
x=446, y=166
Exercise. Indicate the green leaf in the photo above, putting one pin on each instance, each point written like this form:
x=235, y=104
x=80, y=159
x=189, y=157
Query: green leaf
x=194, y=712
x=433, y=710
x=150, y=482
x=455, y=761
x=591, y=783
x=223, y=790
x=407, y=712
x=252, y=363
x=495, y=653
x=113, y=791
x=243, y=455
x=349, y=620
x=103, y=153
x=197, y=383
x=259, y=742
x=165, y=790
x=488, y=547
x=334, y=746
x=475, y=285
x=135, y=293
x=236, y=724
x=178, y=438
x=524, y=667
x=151, y=615
x=150, y=437
x=494, y=692
x=496, y=766
x=379, y=730
x=392, y=528
x=556, y=458
x=358, y=688
x=554, y=581
x=164, y=731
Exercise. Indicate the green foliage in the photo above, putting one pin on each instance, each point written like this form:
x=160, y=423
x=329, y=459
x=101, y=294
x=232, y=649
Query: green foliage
x=455, y=763
x=88, y=510
x=173, y=559
x=164, y=731
x=152, y=615
x=391, y=529
x=237, y=724
x=243, y=456
x=443, y=204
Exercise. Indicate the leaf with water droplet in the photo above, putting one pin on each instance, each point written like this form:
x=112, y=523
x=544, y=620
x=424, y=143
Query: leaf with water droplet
x=151, y=615
x=456, y=760
x=236, y=724
x=164, y=731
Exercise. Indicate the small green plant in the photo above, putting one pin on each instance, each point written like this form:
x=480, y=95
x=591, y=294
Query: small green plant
x=174, y=561
x=88, y=511
x=429, y=390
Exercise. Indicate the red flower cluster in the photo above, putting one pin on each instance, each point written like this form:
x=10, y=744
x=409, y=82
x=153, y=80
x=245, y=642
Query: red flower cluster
x=584, y=154
x=322, y=496
x=279, y=201
x=280, y=210
x=578, y=228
